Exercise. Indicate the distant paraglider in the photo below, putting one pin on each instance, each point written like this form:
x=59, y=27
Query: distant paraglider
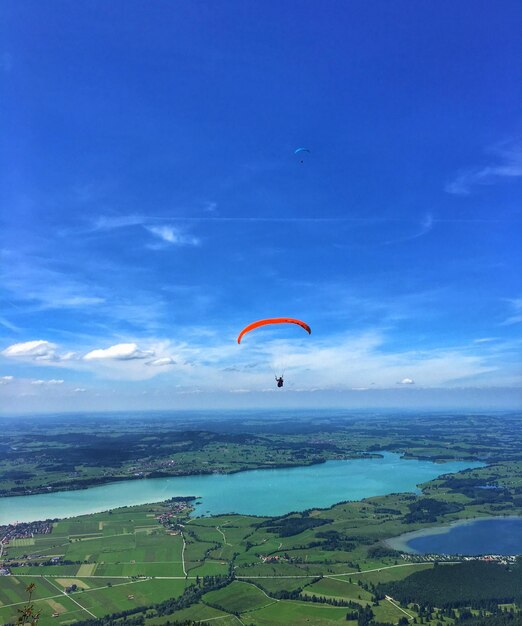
x=274, y=320
x=301, y=153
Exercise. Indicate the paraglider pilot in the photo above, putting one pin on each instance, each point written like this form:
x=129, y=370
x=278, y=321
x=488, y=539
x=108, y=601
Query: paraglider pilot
x=279, y=381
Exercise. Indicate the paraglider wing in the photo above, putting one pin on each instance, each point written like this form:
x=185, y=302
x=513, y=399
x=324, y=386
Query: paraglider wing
x=301, y=153
x=274, y=320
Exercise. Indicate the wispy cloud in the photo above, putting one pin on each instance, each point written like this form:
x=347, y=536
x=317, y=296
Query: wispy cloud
x=93, y=289
x=31, y=280
x=52, y=381
x=111, y=222
x=171, y=235
x=406, y=381
x=516, y=318
x=165, y=360
x=507, y=165
x=7, y=324
x=168, y=234
x=425, y=226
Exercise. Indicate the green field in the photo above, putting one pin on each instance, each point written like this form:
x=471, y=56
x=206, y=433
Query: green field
x=339, y=589
x=297, y=613
x=238, y=597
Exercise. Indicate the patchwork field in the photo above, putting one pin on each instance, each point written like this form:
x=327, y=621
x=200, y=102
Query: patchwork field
x=120, y=560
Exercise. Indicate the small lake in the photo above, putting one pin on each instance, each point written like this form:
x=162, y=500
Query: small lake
x=493, y=535
x=258, y=492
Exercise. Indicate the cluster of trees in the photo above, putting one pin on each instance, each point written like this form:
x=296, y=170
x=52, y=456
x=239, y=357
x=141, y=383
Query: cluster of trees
x=380, y=551
x=364, y=616
x=428, y=510
x=46, y=563
x=289, y=526
x=479, y=490
x=383, y=510
x=297, y=594
x=474, y=584
x=501, y=618
x=15, y=475
x=333, y=541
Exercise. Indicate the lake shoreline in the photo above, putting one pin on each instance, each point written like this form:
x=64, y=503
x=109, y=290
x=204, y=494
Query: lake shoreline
x=110, y=480
x=401, y=542
x=266, y=492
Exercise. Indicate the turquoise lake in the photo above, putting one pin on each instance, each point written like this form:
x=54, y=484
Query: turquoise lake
x=496, y=535
x=258, y=492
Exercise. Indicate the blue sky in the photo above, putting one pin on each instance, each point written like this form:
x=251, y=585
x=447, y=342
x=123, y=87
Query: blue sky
x=152, y=204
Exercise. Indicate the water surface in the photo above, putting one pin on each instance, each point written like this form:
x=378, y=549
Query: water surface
x=257, y=492
x=494, y=535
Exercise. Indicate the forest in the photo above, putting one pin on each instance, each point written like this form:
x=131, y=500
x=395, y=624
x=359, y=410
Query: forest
x=477, y=584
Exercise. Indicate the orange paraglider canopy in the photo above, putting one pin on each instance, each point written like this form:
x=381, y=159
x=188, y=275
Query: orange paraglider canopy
x=274, y=320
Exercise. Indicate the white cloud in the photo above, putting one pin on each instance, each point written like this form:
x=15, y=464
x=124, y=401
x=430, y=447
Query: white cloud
x=36, y=349
x=119, y=352
x=79, y=390
x=406, y=381
x=53, y=381
x=167, y=233
x=508, y=165
x=164, y=360
x=172, y=235
x=485, y=340
x=68, y=356
x=5, y=379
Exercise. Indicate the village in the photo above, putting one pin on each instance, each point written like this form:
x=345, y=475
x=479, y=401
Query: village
x=459, y=558
x=23, y=530
x=177, y=506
